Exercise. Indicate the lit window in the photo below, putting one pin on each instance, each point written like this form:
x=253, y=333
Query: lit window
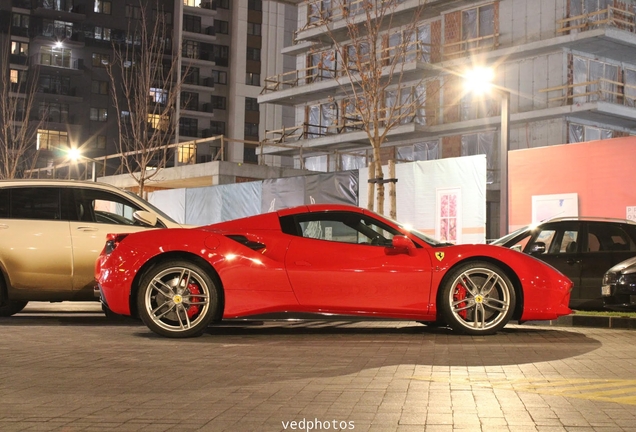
x=158, y=122
x=49, y=139
x=158, y=95
x=186, y=154
x=102, y=7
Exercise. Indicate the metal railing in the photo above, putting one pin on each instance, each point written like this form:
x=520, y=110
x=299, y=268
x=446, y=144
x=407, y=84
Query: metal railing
x=590, y=91
x=415, y=51
x=215, y=150
x=611, y=16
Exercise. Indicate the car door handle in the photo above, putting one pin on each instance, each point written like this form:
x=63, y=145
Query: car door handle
x=573, y=261
x=82, y=228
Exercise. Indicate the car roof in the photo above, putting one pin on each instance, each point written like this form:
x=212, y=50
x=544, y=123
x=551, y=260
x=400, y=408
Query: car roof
x=588, y=219
x=56, y=182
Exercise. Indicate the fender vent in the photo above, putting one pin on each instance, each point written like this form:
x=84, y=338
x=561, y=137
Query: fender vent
x=246, y=242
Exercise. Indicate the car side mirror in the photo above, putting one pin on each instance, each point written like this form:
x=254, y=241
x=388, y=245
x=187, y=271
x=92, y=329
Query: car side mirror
x=145, y=217
x=537, y=248
x=403, y=243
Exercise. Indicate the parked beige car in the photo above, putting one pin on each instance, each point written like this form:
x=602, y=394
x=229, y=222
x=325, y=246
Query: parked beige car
x=51, y=232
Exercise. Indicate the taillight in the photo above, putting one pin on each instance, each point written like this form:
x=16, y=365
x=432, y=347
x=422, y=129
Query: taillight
x=112, y=241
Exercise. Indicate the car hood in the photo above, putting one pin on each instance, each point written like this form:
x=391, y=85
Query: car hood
x=625, y=267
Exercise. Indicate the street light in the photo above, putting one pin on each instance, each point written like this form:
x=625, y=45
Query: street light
x=75, y=155
x=479, y=81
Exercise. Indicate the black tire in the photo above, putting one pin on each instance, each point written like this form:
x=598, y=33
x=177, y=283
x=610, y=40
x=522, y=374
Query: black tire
x=177, y=299
x=477, y=298
x=433, y=324
x=11, y=307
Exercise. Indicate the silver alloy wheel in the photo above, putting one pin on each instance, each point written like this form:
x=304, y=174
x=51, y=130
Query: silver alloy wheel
x=480, y=298
x=171, y=300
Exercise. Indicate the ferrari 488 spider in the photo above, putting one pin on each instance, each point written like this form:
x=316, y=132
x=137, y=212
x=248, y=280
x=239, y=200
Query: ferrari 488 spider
x=321, y=260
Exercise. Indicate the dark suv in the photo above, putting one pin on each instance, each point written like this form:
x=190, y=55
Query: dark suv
x=581, y=248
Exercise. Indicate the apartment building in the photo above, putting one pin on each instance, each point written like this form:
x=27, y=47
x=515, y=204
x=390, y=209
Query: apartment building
x=568, y=66
x=67, y=44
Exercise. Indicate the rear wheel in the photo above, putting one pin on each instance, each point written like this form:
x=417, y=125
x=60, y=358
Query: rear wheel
x=177, y=299
x=477, y=298
x=11, y=307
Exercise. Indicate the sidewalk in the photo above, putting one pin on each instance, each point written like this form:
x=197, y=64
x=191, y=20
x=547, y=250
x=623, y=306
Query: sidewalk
x=581, y=320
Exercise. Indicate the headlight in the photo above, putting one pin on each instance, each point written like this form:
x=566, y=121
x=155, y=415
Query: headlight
x=628, y=279
x=609, y=278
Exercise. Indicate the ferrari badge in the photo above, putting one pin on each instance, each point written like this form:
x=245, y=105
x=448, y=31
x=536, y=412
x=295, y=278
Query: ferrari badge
x=439, y=255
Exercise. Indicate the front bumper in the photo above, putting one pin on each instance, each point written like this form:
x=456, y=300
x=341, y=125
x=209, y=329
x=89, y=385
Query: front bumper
x=619, y=291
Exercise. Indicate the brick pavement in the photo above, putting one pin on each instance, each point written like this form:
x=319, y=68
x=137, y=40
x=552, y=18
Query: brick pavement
x=77, y=371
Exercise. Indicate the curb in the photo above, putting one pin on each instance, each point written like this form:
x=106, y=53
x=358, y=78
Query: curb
x=589, y=321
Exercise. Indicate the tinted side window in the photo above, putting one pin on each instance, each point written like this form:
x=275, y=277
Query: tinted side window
x=103, y=207
x=608, y=237
x=4, y=203
x=557, y=238
x=40, y=203
x=345, y=227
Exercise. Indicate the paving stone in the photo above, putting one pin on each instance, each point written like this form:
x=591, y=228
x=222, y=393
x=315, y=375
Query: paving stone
x=61, y=373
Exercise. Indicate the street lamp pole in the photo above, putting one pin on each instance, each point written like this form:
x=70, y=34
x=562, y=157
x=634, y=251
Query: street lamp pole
x=478, y=81
x=503, y=160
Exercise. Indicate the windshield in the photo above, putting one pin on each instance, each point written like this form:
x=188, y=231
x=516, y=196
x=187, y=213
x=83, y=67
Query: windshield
x=424, y=237
x=416, y=233
x=503, y=240
x=152, y=208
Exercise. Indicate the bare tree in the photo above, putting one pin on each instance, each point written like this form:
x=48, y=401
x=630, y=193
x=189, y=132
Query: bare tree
x=377, y=45
x=18, y=150
x=145, y=90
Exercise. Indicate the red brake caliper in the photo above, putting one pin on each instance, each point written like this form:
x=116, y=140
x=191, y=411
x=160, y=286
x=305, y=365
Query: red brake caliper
x=460, y=294
x=194, y=309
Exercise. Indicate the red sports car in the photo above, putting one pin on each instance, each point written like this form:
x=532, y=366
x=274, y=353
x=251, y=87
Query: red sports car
x=321, y=260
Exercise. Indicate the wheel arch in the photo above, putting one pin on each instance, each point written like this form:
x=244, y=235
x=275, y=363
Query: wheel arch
x=175, y=255
x=4, y=285
x=516, y=282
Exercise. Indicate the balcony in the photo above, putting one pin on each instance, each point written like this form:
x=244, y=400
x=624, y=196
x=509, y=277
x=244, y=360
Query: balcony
x=72, y=64
x=599, y=100
x=201, y=57
x=63, y=10
x=205, y=83
x=61, y=94
x=56, y=122
x=23, y=4
x=339, y=16
x=198, y=110
x=20, y=31
x=18, y=59
x=70, y=38
x=315, y=82
x=345, y=129
x=203, y=35
x=203, y=7
x=611, y=16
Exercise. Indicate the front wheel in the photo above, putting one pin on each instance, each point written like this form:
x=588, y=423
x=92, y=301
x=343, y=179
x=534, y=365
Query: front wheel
x=477, y=299
x=177, y=299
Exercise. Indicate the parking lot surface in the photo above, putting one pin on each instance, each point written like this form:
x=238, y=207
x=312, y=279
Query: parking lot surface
x=71, y=369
